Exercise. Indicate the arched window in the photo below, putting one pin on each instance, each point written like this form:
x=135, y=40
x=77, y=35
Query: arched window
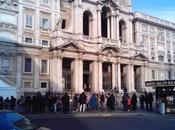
x=122, y=31
x=161, y=58
x=87, y=23
x=106, y=22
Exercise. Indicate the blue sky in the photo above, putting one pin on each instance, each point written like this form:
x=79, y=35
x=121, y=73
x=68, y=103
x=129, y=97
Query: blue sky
x=164, y=9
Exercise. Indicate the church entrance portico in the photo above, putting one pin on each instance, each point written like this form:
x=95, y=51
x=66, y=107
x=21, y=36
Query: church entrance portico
x=123, y=71
x=67, y=74
x=137, y=78
x=87, y=75
x=107, y=76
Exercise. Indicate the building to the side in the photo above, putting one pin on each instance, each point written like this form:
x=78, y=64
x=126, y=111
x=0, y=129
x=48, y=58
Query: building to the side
x=77, y=45
x=25, y=33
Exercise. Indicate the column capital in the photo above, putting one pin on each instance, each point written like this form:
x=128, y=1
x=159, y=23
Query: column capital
x=99, y=8
x=59, y=54
x=116, y=13
x=118, y=60
x=100, y=58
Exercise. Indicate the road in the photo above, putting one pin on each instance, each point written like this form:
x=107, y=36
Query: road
x=106, y=122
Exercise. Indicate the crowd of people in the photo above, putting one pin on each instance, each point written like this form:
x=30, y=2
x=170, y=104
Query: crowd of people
x=79, y=102
x=130, y=103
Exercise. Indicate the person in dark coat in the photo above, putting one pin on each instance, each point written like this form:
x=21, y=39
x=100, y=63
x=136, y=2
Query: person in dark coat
x=6, y=103
x=150, y=101
x=65, y=101
x=28, y=104
x=112, y=102
x=134, y=101
x=108, y=101
x=75, y=102
x=125, y=101
x=12, y=103
x=142, y=101
x=146, y=100
x=1, y=102
x=83, y=100
x=102, y=100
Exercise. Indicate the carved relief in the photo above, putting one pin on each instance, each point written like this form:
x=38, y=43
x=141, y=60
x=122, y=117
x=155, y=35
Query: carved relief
x=160, y=35
x=140, y=56
x=152, y=30
x=168, y=34
x=144, y=40
x=173, y=35
x=110, y=51
x=144, y=28
x=72, y=47
x=9, y=4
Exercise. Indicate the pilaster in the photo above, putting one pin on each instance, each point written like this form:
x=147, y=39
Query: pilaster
x=20, y=23
x=37, y=27
x=18, y=74
x=36, y=73
x=137, y=32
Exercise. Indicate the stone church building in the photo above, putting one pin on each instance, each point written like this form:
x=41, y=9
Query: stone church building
x=84, y=45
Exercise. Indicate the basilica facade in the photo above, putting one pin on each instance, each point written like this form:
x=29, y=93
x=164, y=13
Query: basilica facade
x=86, y=45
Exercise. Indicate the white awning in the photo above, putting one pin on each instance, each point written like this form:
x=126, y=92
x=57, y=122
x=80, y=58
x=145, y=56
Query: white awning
x=7, y=90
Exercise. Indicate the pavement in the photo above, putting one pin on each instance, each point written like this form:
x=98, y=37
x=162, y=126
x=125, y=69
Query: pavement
x=116, y=113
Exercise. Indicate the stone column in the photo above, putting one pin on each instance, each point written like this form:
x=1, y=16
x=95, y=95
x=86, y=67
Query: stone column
x=108, y=27
x=59, y=77
x=130, y=78
x=114, y=77
x=75, y=17
x=119, y=77
x=112, y=28
x=117, y=30
x=99, y=21
x=36, y=74
x=100, y=76
x=56, y=74
x=18, y=74
x=95, y=77
x=127, y=32
x=52, y=74
x=144, y=76
x=130, y=31
x=78, y=75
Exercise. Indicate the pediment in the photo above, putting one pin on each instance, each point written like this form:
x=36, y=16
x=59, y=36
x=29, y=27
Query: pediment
x=110, y=51
x=112, y=3
x=71, y=47
x=140, y=56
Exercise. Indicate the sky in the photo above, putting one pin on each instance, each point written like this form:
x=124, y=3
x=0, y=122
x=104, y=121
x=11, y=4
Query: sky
x=164, y=9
